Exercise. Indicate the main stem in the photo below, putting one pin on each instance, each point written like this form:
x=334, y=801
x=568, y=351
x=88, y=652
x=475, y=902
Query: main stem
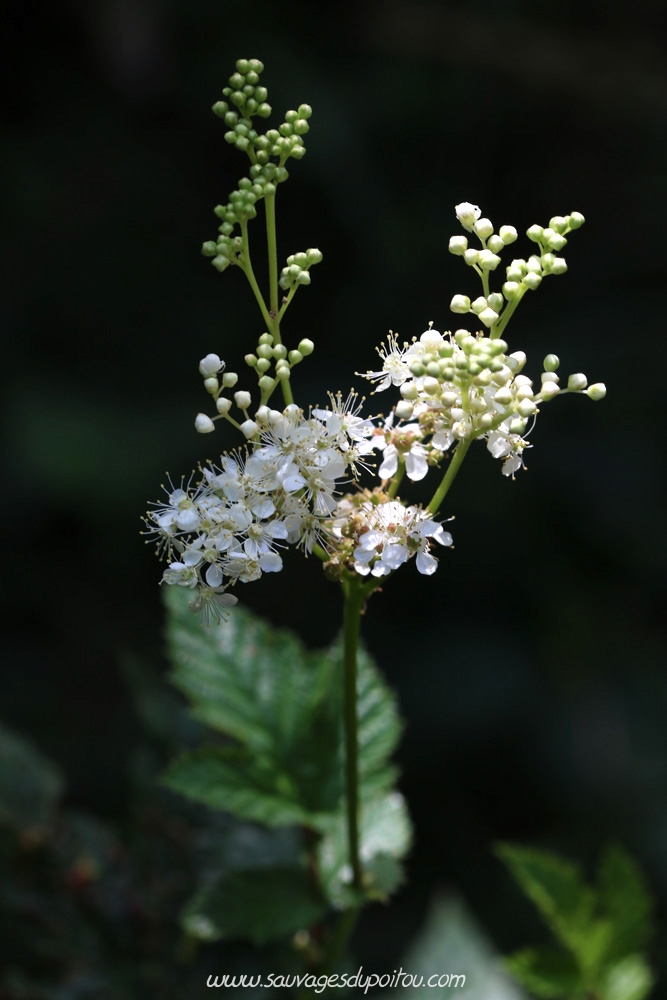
x=354, y=599
x=274, y=294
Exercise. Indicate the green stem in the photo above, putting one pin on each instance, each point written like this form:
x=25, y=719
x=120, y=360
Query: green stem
x=396, y=480
x=272, y=247
x=506, y=316
x=250, y=274
x=450, y=475
x=340, y=937
x=354, y=599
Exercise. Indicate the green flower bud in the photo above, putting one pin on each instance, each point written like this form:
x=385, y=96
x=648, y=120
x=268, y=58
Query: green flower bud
x=535, y=233
x=305, y=111
x=220, y=109
x=471, y=256
x=404, y=409
x=517, y=425
x=264, y=350
x=266, y=383
x=242, y=399
x=282, y=373
x=220, y=263
x=280, y=351
x=532, y=280
x=495, y=301
x=250, y=360
x=211, y=384
x=266, y=338
x=295, y=357
x=559, y=266
x=483, y=228
x=551, y=363
x=242, y=66
x=460, y=304
x=558, y=224
x=576, y=220
x=597, y=391
x=577, y=382
x=409, y=390
x=203, y=424
x=263, y=110
x=229, y=379
x=458, y=245
x=508, y=234
x=306, y=347
x=263, y=365
x=209, y=249
x=516, y=361
x=511, y=289
x=495, y=243
x=488, y=316
x=478, y=305
x=223, y=405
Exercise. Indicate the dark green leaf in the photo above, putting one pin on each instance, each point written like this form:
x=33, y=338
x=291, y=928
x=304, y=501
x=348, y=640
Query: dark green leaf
x=259, y=904
x=29, y=784
x=283, y=706
x=234, y=780
x=558, y=891
x=626, y=902
x=545, y=973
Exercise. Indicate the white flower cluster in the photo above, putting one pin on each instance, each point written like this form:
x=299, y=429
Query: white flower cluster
x=457, y=387
x=386, y=535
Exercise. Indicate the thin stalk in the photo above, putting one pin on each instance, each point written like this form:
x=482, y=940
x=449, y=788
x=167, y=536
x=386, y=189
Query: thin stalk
x=272, y=248
x=250, y=274
x=396, y=479
x=354, y=599
x=449, y=476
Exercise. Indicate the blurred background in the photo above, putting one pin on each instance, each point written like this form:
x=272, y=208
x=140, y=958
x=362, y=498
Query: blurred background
x=531, y=669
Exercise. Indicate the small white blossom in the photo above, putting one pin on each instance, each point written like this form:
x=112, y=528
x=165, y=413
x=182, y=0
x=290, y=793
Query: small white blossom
x=468, y=215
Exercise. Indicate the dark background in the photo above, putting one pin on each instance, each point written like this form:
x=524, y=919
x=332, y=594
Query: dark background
x=531, y=669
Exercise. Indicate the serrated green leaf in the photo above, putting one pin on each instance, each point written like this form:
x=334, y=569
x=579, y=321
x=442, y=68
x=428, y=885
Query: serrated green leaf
x=557, y=889
x=259, y=904
x=385, y=835
x=30, y=785
x=629, y=979
x=283, y=705
x=233, y=780
x=626, y=901
x=546, y=973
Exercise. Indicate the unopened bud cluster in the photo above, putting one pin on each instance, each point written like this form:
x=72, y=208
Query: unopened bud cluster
x=298, y=266
x=268, y=152
x=521, y=275
x=267, y=356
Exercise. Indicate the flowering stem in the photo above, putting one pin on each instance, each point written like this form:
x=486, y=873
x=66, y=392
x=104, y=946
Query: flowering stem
x=354, y=599
x=449, y=476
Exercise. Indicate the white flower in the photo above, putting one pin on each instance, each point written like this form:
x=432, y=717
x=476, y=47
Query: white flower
x=181, y=575
x=210, y=365
x=510, y=447
x=212, y=604
x=468, y=215
x=396, y=363
x=395, y=534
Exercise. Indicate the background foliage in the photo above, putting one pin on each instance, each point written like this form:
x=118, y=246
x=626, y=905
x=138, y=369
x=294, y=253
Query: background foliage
x=530, y=673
